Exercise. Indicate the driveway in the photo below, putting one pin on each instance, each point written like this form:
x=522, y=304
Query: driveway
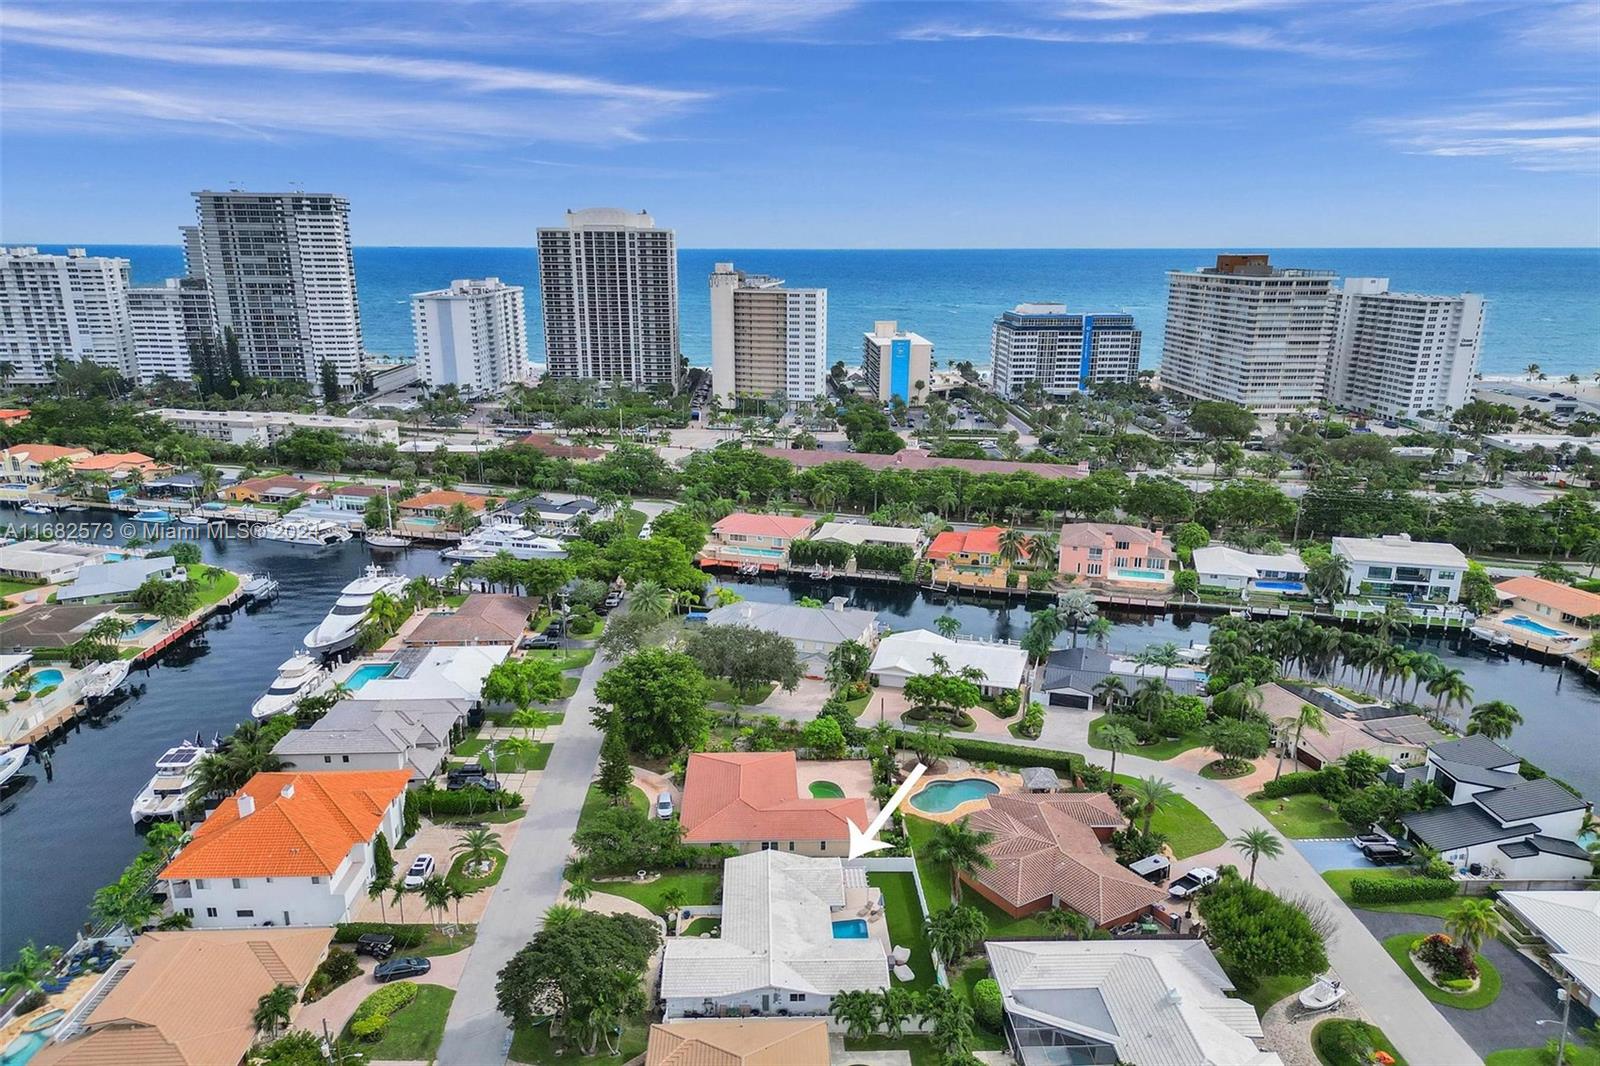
x=337, y=1006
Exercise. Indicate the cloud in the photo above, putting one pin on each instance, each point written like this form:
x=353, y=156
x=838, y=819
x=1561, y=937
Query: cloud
x=1143, y=9
x=1245, y=38
x=726, y=18
x=1086, y=114
x=1566, y=27
x=951, y=31
x=1542, y=130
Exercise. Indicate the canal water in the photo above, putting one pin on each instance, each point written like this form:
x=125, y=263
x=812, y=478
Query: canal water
x=62, y=838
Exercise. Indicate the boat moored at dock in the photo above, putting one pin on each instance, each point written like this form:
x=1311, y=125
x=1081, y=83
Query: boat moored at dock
x=343, y=625
x=167, y=793
x=298, y=677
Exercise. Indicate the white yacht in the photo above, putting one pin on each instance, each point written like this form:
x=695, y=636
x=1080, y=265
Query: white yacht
x=299, y=676
x=260, y=586
x=508, y=537
x=339, y=630
x=315, y=534
x=103, y=678
x=11, y=760
x=168, y=791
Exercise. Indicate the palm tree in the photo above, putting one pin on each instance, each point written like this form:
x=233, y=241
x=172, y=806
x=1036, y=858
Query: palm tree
x=1255, y=843
x=1150, y=697
x=1152, y=793
x=1064, y=922
x=650, y=599
x=1116, y=738
x=1450, y=687
x=1496, y=719
x=895, y=1008
x=948, y=625
x=435, y=893
x=1533, y=370
x=477, y=847
x=1310, y=717
x=1472, y=921
x=857, y=1011
x=273, y=1009
x=1013, y=545
x=1042, y=551
x=376, y=891
x=399, y=898
x=961, y=847
x=1075, y=608
x=1110, y=691
x=29, y=971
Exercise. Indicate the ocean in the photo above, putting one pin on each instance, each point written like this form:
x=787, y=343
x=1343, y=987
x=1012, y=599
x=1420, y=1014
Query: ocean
x=1543, y=305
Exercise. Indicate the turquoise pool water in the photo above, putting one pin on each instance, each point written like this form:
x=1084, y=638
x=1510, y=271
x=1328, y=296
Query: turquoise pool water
x=141, y=625
x=369, y=672
x=44, y=679
x=42, y=1022
x=23, y=1048
x=944, y=796
x=1522, y=621
x=1130, y=574
x=850, y=929
x=421, y=521
x=1281, y=586
x=771, y=553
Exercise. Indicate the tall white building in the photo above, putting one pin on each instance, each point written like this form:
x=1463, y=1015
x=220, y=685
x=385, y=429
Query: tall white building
x=608, y=286
x=896, y=363
x=472, y=335
x=1249, y=333
x=167, y=321
x=283, y=278
x=73, y=305
x=766, y=338
x=1064, y=352
x=1401, y=353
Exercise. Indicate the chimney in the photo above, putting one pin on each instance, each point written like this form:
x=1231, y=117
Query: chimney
x=837, y=603
x=287, y=792
x=247, y=805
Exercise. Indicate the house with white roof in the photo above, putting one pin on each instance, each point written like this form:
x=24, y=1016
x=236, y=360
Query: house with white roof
x=857, y=535
x=1220, y=566
x=414, y=736
x=1153, y=1002
x=1396, y=565
x=1569, y=925
x=905, y=655
x=780, y=949
x=444, y=672
x=111, y=581
x=815, y=631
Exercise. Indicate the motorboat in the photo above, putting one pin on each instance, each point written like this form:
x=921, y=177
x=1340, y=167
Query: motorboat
x=1490, y=636
x=506, y=537
x=1195, y=653
x=36, y=508
x=193, y=519
x=11, y=760
x=75, y=507
x=102, y=679
x=313, y=534
x=259, y=586
x=154, y=516
x=167, y=793
x=342, y=626
x=298, y=677
x=386, y=540
x=1325, y=994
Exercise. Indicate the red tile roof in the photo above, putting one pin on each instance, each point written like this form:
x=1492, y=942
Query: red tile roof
x=116, y=461
x=920, y=459
x=303, y=825
x=552, y=446
x=973, y=541
x=445, y=498
x=748, y=524
x=1564, y=598
x=742, y=796
x=46, y=453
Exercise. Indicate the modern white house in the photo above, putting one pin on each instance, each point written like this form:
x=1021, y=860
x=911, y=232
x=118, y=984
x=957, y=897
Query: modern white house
x=905, y=655
x=410, y=735
x=444, y=672
x=784, y=944
x=815, y=631
x=1569, y=925
x=1220, y=566
x=287, y=849
x=1396, y=565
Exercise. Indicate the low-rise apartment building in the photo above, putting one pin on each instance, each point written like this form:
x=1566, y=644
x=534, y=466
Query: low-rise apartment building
x=263, y=427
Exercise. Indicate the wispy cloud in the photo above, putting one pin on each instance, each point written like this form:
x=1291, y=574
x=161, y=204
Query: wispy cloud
x=1243, y=38
x=728, y=18
x=1543, y=130
x=1573, y=27
x=1144, y=9
x=1045, y=34
x=1086, y=114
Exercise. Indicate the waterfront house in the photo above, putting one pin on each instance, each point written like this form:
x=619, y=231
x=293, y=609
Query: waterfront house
x=442, y=672
x=287, y=849
x=1536, y=609
x=414, y=736
x=1222, y=567
x=278, y=489
x=856, y=534
x=972, y=558
x=1400, y=740
x=482, y=619
x=738, y=1042
x=353, y=497
x=429, y=509
x=543, y=511
x=112, y=582
x=905, y=655
x=184, y=998
x=1396, y=565
x=751, y=801
x=25, y=463
x=40, y=564
x=1153, y=1002
x=815, y=631
x=118, y=465
x=173, y=487
x=745, y=538
x=1566, y=928
x=1072, y=674
x=779, y=949
x=1045, y=851
x=1115, y=554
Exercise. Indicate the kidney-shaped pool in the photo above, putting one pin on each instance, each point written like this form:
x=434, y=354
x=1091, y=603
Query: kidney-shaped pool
x=944, y=796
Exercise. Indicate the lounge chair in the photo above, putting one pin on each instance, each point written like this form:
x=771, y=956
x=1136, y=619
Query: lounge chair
x=902, y=955
x=903, y=973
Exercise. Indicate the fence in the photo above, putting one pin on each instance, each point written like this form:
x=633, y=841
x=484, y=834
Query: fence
x=906, y=865
x=1485, y=885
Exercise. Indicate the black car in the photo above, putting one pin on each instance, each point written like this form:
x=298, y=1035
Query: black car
x=395, y=969
x=1384, y=854
x=378, y=945
x=470, y=776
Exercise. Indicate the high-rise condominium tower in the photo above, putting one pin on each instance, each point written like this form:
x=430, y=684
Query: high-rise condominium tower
x=1401, y=353
x=1249, y=333
x=472, y=335
x=283, y=279
x=73, y=305
x=766, y=338
x=1064, y=353
x=608, y=286
x=168, y=322
x=897, y=363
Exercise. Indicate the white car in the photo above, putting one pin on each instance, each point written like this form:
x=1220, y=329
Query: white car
x=421, y=870
x=1192, y=882
x=664, y=806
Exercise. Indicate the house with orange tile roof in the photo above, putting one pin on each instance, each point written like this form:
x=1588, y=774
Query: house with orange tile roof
x=26, y=462
x=745, y=538
x=1549, y=602
x=1115, y=554
x=287, y=849
x=10, y=416
x=273, y=489
x=971, y=558
x=120, y=465
x=1045, y=851
x=437, y=502
x=752, y=801
x=738, y=1042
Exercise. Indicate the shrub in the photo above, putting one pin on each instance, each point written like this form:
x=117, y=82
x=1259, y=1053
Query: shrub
x=370, y=1028
x=982, y=751
x=47, y=690
x=1457, y=984
x=1291, y=784
x=471, y=800
x=1132, y=844
x=1006, y=704
x=405, y=936
x=1182, y=714
x=336, y=969
x=387, y=1000
x=1399, y=889
x=987, y=1006
x=1258, y=934
x=1033, y=720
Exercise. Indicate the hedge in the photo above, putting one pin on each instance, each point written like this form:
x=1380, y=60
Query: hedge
x=1291, y=784
x=1400, y=889
x=982, y=751
x=987, y=1006
x=387, y=1000
x=405, y=936
x=469, y=800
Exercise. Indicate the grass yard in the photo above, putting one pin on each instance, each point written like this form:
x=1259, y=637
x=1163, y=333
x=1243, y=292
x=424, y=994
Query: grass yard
x=1270, y=990
x=569, y=685
x=596, y=801
x=486, y=817
x=1339, y=881
x=721, y=691
x=707, y=924
x=1328, y=1038
x=936, y=884
x=576, y=659
x=1304, y=817
x=11, y=588
x=859, y=704
x=905, y=924
x=458, y=876
x=1399, y=949
x=1185, y=826
x=534, y=1045
x=211, y=592
x=697, y=886
x=414, y=1031
x=826, y=790
x=1578, y=1054
x=962, y=983
x=1160, y=750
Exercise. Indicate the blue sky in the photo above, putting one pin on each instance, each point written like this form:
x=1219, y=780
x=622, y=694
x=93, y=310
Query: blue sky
x=820, y=123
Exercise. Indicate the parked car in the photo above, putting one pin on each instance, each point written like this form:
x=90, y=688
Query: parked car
x=1126, y=929
x=395, y=969
x=542, y=640
x=377, y=945
x=421, y=870
x=664, y=806
x=1363, y=839
x=1192, y=882
x=1385, y=854
x=456, y=781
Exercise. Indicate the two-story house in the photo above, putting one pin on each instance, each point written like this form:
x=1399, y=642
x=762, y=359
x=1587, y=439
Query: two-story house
x=1111, y=553
x=972, y=558
x=1396, y=565
x=760, y=540
x=287, y=849
x=24, y=463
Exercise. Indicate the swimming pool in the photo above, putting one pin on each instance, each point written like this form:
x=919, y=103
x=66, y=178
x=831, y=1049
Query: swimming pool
x=1128, y=574
x=420, y=521
x=765, y=553
x=141, y=625
x=1522, y=621
x=850, y=929
x=369, y=672
x=44, y=679
x=23, y=1048
x=944, y=796
x=1281, y=586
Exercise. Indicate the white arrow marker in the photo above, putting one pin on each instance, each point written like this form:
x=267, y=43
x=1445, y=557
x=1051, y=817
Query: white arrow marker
x=863, y=842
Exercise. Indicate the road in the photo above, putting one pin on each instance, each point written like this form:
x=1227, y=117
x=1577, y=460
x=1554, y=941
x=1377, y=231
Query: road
x=476, y=1033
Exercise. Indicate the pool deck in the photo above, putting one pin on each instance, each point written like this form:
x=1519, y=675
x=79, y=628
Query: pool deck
x=66, y=999
x=1008, y=782
x=1571, y=637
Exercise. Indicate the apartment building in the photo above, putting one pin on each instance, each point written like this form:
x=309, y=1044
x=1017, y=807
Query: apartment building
x=472, y=335
x=73, y=305
x=1402, y=353
x=282, y=277
x=1065, y=353
x=1250, y=333
x=264, y=427
x=608, y=287
x=896, y=363
x=167, y=322
x=765, y=338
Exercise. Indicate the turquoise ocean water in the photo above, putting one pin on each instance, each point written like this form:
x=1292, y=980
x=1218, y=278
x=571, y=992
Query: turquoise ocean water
x=1543, y=304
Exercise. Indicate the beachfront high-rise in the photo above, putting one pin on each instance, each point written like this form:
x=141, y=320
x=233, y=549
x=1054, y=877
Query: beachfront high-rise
x=283, y=278
x=1249, y=333
x=1065, y=353
x=472, y=335
x=73, y=305
x=766, y=339
x=168, y=322
x=897, y=363
x=1401, y=353
x=608, y=287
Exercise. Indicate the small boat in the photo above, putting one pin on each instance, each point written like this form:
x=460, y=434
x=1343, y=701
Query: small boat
x=154, y=516
x=259, y=586
x=11, y=760
x=75, y=507
x=36, y=508
x=386, y=540
x=342, y=626
x=103, y=678
x=1325, y=994
x=1195, y=653
x=192, y=519
x=314, y=534
x=167, y=793
x=1490, y=636
x=298, y=677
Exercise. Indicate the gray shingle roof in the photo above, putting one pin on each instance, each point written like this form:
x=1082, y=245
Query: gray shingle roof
x=1477, y=750
x=1040, y=777
x=114, y=579
x=1529, y=799
x=1462, y=826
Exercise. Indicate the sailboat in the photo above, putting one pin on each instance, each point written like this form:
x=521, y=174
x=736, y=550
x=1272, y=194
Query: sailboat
x=387, y=538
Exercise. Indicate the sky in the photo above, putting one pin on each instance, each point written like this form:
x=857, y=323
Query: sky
x=819, y=123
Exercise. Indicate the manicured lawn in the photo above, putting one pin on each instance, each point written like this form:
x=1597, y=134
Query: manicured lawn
x=1578, y=1054
x=1304, y=817
x=470, y=747
x=826, y=790
x=1325, y=1040
x=576, y=659
x=569, y=685
x=455, y=601
x=1270, y=990
x=1161, y=749
x=487, y=817
x=962, y=983
x=859, y=704
x=922, y=1053
x=534, y=1045
x=414, y=1031
x=503, y=763
x=1185, y=826
x=707, y=924
x=211, y=592
x=905, y=924
x=457, y=874
x=8, y=588
x=936, y=883
x=1399, y=949
x=1339, y=881
x=722, y=692
x=596, y=801
x=697, y=886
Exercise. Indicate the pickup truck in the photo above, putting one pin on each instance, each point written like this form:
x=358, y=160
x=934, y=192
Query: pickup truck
x=1192, y=882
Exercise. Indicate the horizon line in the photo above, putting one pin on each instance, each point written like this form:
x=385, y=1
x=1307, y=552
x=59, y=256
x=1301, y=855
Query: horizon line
x=1237, y=249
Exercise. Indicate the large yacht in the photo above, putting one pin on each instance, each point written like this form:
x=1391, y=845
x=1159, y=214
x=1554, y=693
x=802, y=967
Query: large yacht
x=339, y=630
x=300, y=676
x=314, y=534
x=168, y=791
x=11, y=760
x=507, y=537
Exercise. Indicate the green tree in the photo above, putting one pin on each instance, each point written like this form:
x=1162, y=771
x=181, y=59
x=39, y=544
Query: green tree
x=1496, y=719
x=28, y=972
x=659, y=699
x=959, y=845
x=330, y=383
x=575, y=967
x=1256, y=843
x=477, y=848
x=1116, y=739
x=1472, y=921
x=616, y=773
x=1310, y=717
x=748, y=658
x=948, y=625
x=955, y=931
x=857, y=1011
x=274, y=1008
x=521, y=683
x=1152, y=793
x=650, y=599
